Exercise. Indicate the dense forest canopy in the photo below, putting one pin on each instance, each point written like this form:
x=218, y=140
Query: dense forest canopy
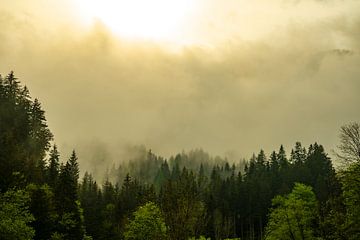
x=191, y=195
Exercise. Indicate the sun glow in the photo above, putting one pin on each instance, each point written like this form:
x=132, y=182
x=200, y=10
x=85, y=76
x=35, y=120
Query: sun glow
x=155, y=19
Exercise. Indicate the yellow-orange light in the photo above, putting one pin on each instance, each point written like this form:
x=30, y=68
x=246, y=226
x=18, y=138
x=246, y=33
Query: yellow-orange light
x=153, y=19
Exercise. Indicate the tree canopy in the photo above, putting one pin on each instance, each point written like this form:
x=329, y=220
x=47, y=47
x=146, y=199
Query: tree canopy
x=292, y=216
x=190, y=195
x=148, y=223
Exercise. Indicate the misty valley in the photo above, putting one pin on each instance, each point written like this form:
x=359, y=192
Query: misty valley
x=286, y=194
x=179, y=120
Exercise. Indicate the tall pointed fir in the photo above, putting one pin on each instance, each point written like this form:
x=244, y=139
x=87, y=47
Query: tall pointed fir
x=74, y=167
x=39, y=142
x=53, y=167
x=71, y=218
x=24, y=135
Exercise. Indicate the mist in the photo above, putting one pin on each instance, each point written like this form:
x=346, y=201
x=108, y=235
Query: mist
x=253, y=85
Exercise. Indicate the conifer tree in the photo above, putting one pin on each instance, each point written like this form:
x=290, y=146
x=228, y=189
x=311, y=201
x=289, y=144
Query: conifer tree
x=298, y=154
x=53, y=167
x=42, y=206
x=68, y=205
x=74, y=167
x=24, y=134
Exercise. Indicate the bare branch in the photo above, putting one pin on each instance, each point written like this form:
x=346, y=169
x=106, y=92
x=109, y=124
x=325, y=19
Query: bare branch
x=349, y=144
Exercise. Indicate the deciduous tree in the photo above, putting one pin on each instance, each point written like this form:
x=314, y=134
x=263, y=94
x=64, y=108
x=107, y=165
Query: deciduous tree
x=148, y=223
x=293, y=215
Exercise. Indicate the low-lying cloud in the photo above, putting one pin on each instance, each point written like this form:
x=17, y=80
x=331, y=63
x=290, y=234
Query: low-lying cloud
x=297, y=82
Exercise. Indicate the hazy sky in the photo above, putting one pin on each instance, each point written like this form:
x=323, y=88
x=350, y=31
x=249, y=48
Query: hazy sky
x=229, y=76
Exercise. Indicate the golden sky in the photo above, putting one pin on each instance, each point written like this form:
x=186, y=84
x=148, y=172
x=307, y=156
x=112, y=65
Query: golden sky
x=230, y=76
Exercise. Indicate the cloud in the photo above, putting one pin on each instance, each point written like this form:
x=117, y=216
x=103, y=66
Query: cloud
x=298, y=81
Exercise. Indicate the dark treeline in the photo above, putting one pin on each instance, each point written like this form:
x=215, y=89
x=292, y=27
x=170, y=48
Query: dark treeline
x=218, y=201
x=145, y=166
x=191, y=195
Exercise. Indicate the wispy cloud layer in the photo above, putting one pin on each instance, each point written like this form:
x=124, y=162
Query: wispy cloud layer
x=289, y=72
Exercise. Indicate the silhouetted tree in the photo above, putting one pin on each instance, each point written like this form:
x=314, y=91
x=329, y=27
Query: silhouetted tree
x=53, y=167
x=68, y=204
x=349, y=143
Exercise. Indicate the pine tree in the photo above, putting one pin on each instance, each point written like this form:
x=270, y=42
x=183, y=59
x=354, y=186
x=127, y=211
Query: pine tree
x=14, y=131
x=68, y=204
x=42, y=206
x=202, y=180
x=162, y=175
x=298, y=154
x=182, y=207
x=53, y=167
x=91, y=201
x=24, y=134
x=283, y=162
x=74, y=167
x=321, y=172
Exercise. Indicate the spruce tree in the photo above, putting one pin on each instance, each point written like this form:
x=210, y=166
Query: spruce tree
x=53, y=167
x=68, y=204
x=24, y=134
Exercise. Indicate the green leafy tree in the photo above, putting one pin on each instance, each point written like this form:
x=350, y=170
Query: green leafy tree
x=346, y=212
x=200, y=238
x=148, y=224
x=293, y=215
x=15, y=217
x=351, y=194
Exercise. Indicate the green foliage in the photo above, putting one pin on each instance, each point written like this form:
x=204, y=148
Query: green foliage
x=332, y=221
x=198, y=195
x=67, y=186
x=200, y=238
x=71, y=224
x=109, y=227
x=351, y=193
x=42, y=206
x=52, y=173
x=148, y=223
x=319, y=172
x=57, y=236
x=15, y=217
x=92, y=203
x=24, y=135
x=71, y=220
x=293, y=216
x=183, y=209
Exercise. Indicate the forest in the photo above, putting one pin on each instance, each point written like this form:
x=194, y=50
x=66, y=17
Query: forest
x=287, y=194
